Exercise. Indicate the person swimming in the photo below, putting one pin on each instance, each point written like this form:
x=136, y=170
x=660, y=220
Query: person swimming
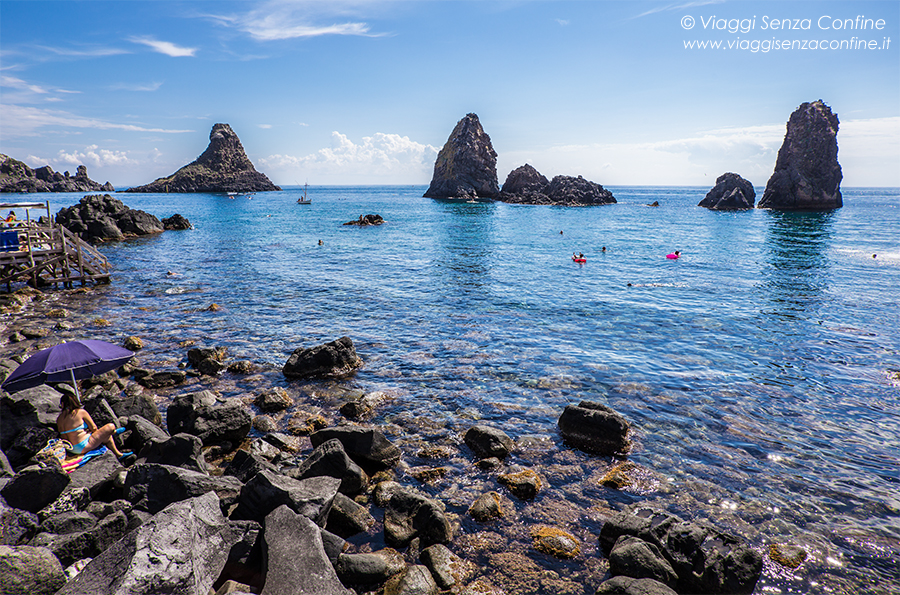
x=674, y=255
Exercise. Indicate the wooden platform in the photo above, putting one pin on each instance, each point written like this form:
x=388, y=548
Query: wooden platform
x=42, y=253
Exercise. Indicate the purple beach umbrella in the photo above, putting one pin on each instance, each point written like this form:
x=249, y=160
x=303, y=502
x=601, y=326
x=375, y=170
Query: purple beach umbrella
x=67, y=362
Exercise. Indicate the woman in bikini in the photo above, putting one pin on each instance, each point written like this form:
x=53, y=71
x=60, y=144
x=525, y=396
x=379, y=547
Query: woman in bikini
x=76, y=426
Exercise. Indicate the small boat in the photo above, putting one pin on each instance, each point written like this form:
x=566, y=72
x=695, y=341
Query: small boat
x=304, y=200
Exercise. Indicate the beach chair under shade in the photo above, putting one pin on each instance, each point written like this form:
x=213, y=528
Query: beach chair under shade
x=9, y=241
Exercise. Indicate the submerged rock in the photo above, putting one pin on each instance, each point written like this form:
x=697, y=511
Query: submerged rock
x=466, y=167
x=223, y=167
x=365, y=220
x=807, y=173
x=730, y=192
x=15, y=176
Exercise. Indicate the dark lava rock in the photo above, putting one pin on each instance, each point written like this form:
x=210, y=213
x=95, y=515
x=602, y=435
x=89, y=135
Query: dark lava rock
x=140, y=432
x=27, y=443
x=266, y=491
x=182, y=549
x=200, y=415
x=705, y=559
x=181, y=450
x=523, y=484
x=365, y=220
x=33, y=488
x=15, y=176
x=196, y=355
x=72, y=521
x=525, y=185
x=411, y=580
x=594, y=428
x=624, y=585
x=466, y=167
x=634, y=557
x=100, y=218
x=274, y=399
x=348, y=518
x=807, y=173
x=486, y=507
x=329, y=459
x=487, y=442
x=162, y=379
x=152, y=487
x=447, y=568
x=177, y=222
x=98, y=476
x=223, y=167
x=569, y=191
x=730, y=192
x=38, y=406
x=244, y=465
x=409, y=515
x=335, y=359
x=18, y=525
x=369, y=569
x=31, y=570
x=366, y=446
x=295, y=562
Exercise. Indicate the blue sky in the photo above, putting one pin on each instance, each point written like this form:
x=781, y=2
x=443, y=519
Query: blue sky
x=367, y=92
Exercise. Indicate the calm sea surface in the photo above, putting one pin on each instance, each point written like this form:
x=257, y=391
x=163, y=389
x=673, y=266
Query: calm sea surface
x=761, y=371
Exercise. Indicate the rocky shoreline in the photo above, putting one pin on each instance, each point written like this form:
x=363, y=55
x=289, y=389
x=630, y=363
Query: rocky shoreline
x=381, y=499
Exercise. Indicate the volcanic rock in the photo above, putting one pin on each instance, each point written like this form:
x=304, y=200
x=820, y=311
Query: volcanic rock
x=569, y=191
x=152, y=487
x=329, y=459
x=177, y=221
x=525, y=185
x=807, y=173
x=335, y=359
x=32, y=570
x=730, y=192
x=594, y=428
x=367, y=446
x=15, y=176
x=365, y=220
x=223, y=167
x=487, y=442
x=409, y=515
x=101, y=218
x=466, y=167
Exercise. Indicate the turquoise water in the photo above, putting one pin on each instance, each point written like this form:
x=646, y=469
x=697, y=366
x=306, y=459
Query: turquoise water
x=761, y=371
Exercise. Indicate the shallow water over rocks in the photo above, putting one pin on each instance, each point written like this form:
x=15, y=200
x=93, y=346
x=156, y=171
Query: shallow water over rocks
x=758, y=372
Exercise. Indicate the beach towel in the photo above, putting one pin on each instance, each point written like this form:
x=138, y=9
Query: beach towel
x=77, y=461
x=9, y=241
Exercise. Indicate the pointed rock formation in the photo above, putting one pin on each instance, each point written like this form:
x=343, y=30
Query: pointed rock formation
x=466, y=167
x=807, y=173
x=526, y=185
x=223, y=167
x=730, y=192
x=15, y=176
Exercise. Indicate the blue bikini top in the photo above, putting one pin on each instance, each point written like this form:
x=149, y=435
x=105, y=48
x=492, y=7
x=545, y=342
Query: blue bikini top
x=83, y=426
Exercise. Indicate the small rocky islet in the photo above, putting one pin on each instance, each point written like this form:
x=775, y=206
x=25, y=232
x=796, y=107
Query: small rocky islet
x=240, y=482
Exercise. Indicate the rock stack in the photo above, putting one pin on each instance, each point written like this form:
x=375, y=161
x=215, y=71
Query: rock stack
x=730, y=192
x=15, y=176
x=807, y=173
x=223, y=167
x=102, y=218
x=466, y=167
x=526, y=185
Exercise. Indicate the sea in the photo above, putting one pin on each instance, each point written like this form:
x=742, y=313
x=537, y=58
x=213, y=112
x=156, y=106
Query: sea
x=760, y=371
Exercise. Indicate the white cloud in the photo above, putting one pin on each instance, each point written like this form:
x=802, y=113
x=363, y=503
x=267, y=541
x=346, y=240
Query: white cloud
x=265, y=126
x=135, y=87
x=19, y=121
x=562, y=22
x=385, y=158
x=92, y=156
x=280, y=19
x=89, y=53
x=165, y=47
x=17, y=83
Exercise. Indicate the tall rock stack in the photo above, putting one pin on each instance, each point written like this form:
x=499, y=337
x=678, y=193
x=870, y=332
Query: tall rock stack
x=223, y=167
x=466, y=167
x=807, y=173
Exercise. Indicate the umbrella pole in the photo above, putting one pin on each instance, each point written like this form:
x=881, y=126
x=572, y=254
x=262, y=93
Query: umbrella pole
x=75, y=386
